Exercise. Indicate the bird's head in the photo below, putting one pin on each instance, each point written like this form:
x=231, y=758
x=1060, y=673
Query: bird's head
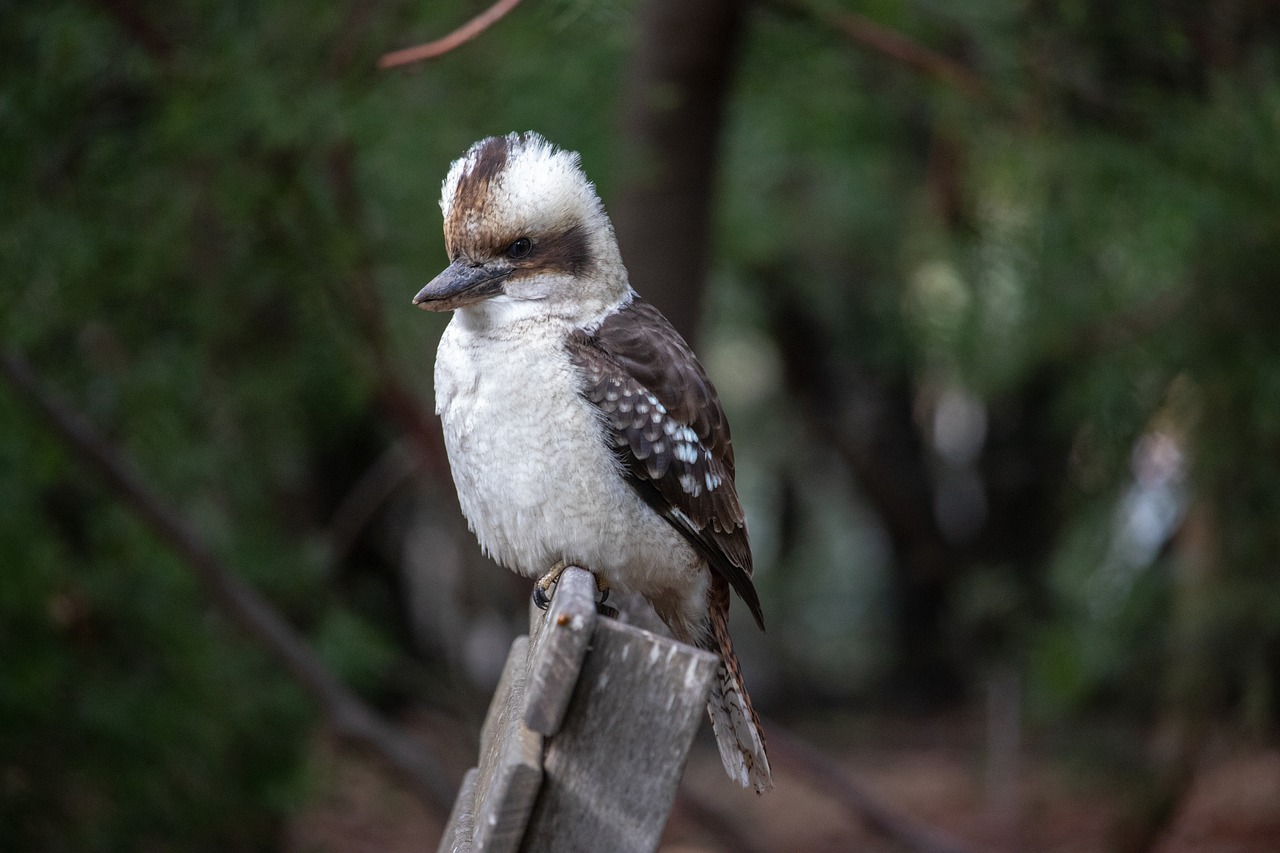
x=527, y=236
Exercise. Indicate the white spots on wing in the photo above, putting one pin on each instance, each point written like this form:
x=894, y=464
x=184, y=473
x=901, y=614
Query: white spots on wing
x=686, y=453
x=685, y=447
x=679, y=432
x=649, y=403
x=643, y=424
x=653, y=654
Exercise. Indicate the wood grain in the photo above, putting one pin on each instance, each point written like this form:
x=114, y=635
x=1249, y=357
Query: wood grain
x=559, y=641
x=462, y=820
x=510, y=771
x=612, y=769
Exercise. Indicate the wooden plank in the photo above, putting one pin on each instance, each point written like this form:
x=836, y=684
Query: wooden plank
x=558, y=641
x=512, y=672
x=612, y=769
x=510, y=771
x=461, y=825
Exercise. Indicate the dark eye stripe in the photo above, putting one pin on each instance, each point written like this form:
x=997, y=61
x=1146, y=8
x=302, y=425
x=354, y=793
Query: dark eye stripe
x=566, y=252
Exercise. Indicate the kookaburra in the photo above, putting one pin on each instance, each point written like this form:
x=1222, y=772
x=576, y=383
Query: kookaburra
x=580, y=427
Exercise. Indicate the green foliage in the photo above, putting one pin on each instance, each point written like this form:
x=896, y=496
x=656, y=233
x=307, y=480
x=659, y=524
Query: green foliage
x=200, y=202
x=184, y=235
x=127, y=715
x=1099, y=231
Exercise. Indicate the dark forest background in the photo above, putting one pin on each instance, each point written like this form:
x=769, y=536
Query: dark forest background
x=989, y=291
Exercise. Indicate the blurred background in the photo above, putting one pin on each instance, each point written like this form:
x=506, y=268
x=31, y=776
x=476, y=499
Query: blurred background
x=990, y=294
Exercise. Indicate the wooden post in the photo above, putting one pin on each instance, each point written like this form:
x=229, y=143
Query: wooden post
x=612, y=770
x=510, y=769
x=461, y=827
x=587, y=735
x=560, y=638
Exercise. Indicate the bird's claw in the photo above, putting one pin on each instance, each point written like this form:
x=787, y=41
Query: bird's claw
x=604, y=609
x=542, y=590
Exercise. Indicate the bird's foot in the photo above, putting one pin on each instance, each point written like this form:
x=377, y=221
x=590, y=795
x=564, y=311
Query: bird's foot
x=604, y=609
x=542, y=589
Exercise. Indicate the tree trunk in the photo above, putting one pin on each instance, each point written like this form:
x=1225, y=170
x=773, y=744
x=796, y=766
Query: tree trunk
x=671, y=118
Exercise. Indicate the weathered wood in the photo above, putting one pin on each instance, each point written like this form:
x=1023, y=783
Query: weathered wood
x=513, y=671
x=558, y=643
x=612, y=769
x=461, y=826
x=620, y=706
x=510, y=771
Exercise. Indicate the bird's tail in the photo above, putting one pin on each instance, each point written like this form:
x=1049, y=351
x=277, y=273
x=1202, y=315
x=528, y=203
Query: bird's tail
x=737, y=728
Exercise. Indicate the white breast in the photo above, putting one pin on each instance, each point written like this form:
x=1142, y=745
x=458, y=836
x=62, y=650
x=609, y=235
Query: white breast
x=534, y=475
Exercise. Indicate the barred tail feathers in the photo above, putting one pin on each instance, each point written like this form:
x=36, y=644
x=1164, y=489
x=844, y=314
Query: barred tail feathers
x=738, y=732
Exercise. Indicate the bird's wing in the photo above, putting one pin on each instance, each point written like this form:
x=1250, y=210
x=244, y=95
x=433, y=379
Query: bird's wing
x=669, y=431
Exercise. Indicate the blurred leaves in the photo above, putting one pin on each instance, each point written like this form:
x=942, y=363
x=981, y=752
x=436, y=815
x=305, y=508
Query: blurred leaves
x=182, y=256
x=213, y=215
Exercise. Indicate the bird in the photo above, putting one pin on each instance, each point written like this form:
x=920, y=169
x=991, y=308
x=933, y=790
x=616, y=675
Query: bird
x=580, y=427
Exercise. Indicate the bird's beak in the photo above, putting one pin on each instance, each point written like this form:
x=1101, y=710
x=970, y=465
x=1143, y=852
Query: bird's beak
x=461, y=284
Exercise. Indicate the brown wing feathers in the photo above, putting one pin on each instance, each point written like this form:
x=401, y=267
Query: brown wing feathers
x=670, y=433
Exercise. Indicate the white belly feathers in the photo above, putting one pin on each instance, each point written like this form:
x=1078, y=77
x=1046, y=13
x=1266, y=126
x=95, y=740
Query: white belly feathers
x=535, y=477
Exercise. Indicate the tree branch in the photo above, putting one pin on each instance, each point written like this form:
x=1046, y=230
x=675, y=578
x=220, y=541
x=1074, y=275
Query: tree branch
x=458, y=37
x=239, y=601
x=888, y=42
x=393, y=468
x=129, y=16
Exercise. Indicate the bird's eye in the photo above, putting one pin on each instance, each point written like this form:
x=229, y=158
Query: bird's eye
x=520, y=248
